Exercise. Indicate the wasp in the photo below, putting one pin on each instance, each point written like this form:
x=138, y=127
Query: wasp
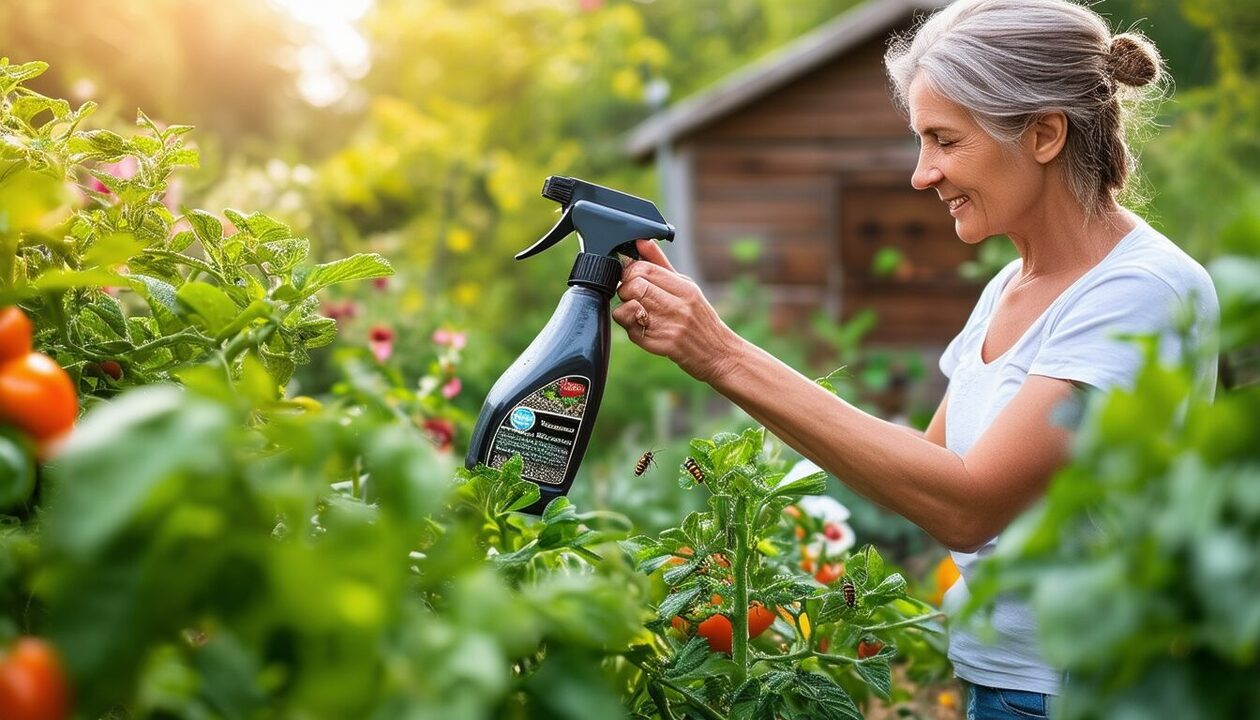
x=850, y=592
x=691, y=466
x=646, y=459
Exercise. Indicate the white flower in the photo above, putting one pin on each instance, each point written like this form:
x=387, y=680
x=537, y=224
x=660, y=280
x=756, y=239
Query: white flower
x=837, y=536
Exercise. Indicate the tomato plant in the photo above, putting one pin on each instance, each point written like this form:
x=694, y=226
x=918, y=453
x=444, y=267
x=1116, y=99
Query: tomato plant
x=783, y=671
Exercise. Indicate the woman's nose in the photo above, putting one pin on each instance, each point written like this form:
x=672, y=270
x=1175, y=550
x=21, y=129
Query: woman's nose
x=925, y=174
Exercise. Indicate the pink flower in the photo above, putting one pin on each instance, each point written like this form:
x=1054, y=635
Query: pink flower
x=450, y=338
x=380, y=283
x=345, y=310
x=124, y=169
x=451, y=388
x=174, y=194
x=381, y=340
x=590, y=5
x=442, y=432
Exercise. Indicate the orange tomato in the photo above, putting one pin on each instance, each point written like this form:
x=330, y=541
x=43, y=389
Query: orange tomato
x=829, y=573
x=15, y=333
x=946, y=575
x=33, y=685
x=37, y=396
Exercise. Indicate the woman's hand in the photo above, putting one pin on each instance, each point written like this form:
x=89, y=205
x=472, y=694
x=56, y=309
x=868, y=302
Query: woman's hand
x=666, y=314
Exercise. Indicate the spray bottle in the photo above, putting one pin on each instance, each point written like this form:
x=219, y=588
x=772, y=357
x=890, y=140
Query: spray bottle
x=543, y=407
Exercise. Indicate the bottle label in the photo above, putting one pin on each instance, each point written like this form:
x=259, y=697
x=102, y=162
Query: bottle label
x=543, y=430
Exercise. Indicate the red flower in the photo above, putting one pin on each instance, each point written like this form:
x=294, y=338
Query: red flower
x=380, y=283
x=441, y=431
x=381, y=340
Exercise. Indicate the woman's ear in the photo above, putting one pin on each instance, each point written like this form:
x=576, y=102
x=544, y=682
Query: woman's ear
x=1046, y=137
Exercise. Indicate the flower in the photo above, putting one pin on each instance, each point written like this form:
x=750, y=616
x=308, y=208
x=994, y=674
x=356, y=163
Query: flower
x=381, y=340
x=345, y=310
x=124, y=169
x=451, y=388
x=380, y=283
x=441, y=431
x=450, y=338
x=837, y=536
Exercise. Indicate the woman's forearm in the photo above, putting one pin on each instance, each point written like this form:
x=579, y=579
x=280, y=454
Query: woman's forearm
x=901, y=471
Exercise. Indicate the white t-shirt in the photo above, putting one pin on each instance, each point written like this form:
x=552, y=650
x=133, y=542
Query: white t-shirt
x=1137, y=288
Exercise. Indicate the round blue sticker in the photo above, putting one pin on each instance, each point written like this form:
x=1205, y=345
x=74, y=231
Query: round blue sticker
x=522, y=418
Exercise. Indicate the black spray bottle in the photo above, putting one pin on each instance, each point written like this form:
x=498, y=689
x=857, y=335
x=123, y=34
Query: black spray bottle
x=543, y=407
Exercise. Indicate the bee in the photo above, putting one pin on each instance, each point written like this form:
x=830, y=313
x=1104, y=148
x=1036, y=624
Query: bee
x=646, y=459
x=691, y=466
x=850, y=592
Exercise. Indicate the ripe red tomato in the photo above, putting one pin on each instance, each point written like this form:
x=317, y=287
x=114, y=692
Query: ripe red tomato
x=15, y=333
x=33, y=685
x=37, y=396
x=868, y=647
x=717, y=629
x=111, y=368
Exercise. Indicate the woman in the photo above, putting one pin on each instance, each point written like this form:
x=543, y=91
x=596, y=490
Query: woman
x=1018, y=106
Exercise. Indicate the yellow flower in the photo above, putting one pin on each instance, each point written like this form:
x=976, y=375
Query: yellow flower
x=459, y=240
x=467, y=293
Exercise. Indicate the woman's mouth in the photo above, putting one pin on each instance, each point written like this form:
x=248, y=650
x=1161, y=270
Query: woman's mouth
x=956, y=203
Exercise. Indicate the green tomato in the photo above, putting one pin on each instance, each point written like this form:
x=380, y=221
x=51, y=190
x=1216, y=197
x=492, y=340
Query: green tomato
x=17, y=469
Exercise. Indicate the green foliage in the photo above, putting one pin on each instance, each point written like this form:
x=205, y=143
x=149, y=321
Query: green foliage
x=107, y=271
x=739, y=553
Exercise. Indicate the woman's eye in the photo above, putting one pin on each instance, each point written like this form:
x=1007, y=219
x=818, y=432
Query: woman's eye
x=944, y=143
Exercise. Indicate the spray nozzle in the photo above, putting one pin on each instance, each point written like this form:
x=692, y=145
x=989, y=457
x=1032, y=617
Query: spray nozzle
x=607, y=221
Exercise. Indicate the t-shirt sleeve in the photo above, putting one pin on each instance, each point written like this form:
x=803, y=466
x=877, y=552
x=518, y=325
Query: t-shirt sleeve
x=1086, y=342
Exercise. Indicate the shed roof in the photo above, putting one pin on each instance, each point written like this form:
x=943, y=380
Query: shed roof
x=745, y=85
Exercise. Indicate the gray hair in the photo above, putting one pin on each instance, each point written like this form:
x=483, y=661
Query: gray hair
x=1011, y=62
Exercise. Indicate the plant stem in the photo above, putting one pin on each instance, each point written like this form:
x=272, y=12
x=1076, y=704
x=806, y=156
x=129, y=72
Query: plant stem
x=662, y=703
x=701, y=706
x=908, y=621
x=692, y=700
x=739, y=619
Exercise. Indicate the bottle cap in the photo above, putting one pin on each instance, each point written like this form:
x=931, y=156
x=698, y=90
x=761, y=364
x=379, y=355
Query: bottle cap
x=597, y=271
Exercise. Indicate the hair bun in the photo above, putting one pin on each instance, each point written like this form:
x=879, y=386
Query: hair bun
x=1132, y=60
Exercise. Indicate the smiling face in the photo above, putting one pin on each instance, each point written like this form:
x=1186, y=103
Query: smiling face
x=986, y=185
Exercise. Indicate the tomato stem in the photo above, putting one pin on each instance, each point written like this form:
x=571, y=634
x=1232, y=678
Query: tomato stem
x=739, y=620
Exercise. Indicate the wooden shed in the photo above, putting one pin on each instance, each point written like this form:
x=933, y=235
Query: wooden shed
x=806, y=153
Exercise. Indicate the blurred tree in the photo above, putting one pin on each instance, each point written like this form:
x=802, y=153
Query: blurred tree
x=227, y=66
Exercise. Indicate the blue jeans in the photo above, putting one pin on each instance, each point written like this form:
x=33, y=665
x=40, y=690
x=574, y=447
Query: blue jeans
x=987, y=703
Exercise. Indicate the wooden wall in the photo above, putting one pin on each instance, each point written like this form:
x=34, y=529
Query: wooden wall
x=819, y=172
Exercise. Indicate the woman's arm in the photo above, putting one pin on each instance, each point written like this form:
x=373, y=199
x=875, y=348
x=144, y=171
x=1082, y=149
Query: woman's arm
x=961, y=501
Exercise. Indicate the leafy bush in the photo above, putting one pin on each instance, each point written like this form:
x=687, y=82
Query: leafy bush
x=109, y=274
x=211, y=548
x=1140, y=562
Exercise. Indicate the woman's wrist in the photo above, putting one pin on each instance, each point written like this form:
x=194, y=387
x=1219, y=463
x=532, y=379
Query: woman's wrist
x=727, y=358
